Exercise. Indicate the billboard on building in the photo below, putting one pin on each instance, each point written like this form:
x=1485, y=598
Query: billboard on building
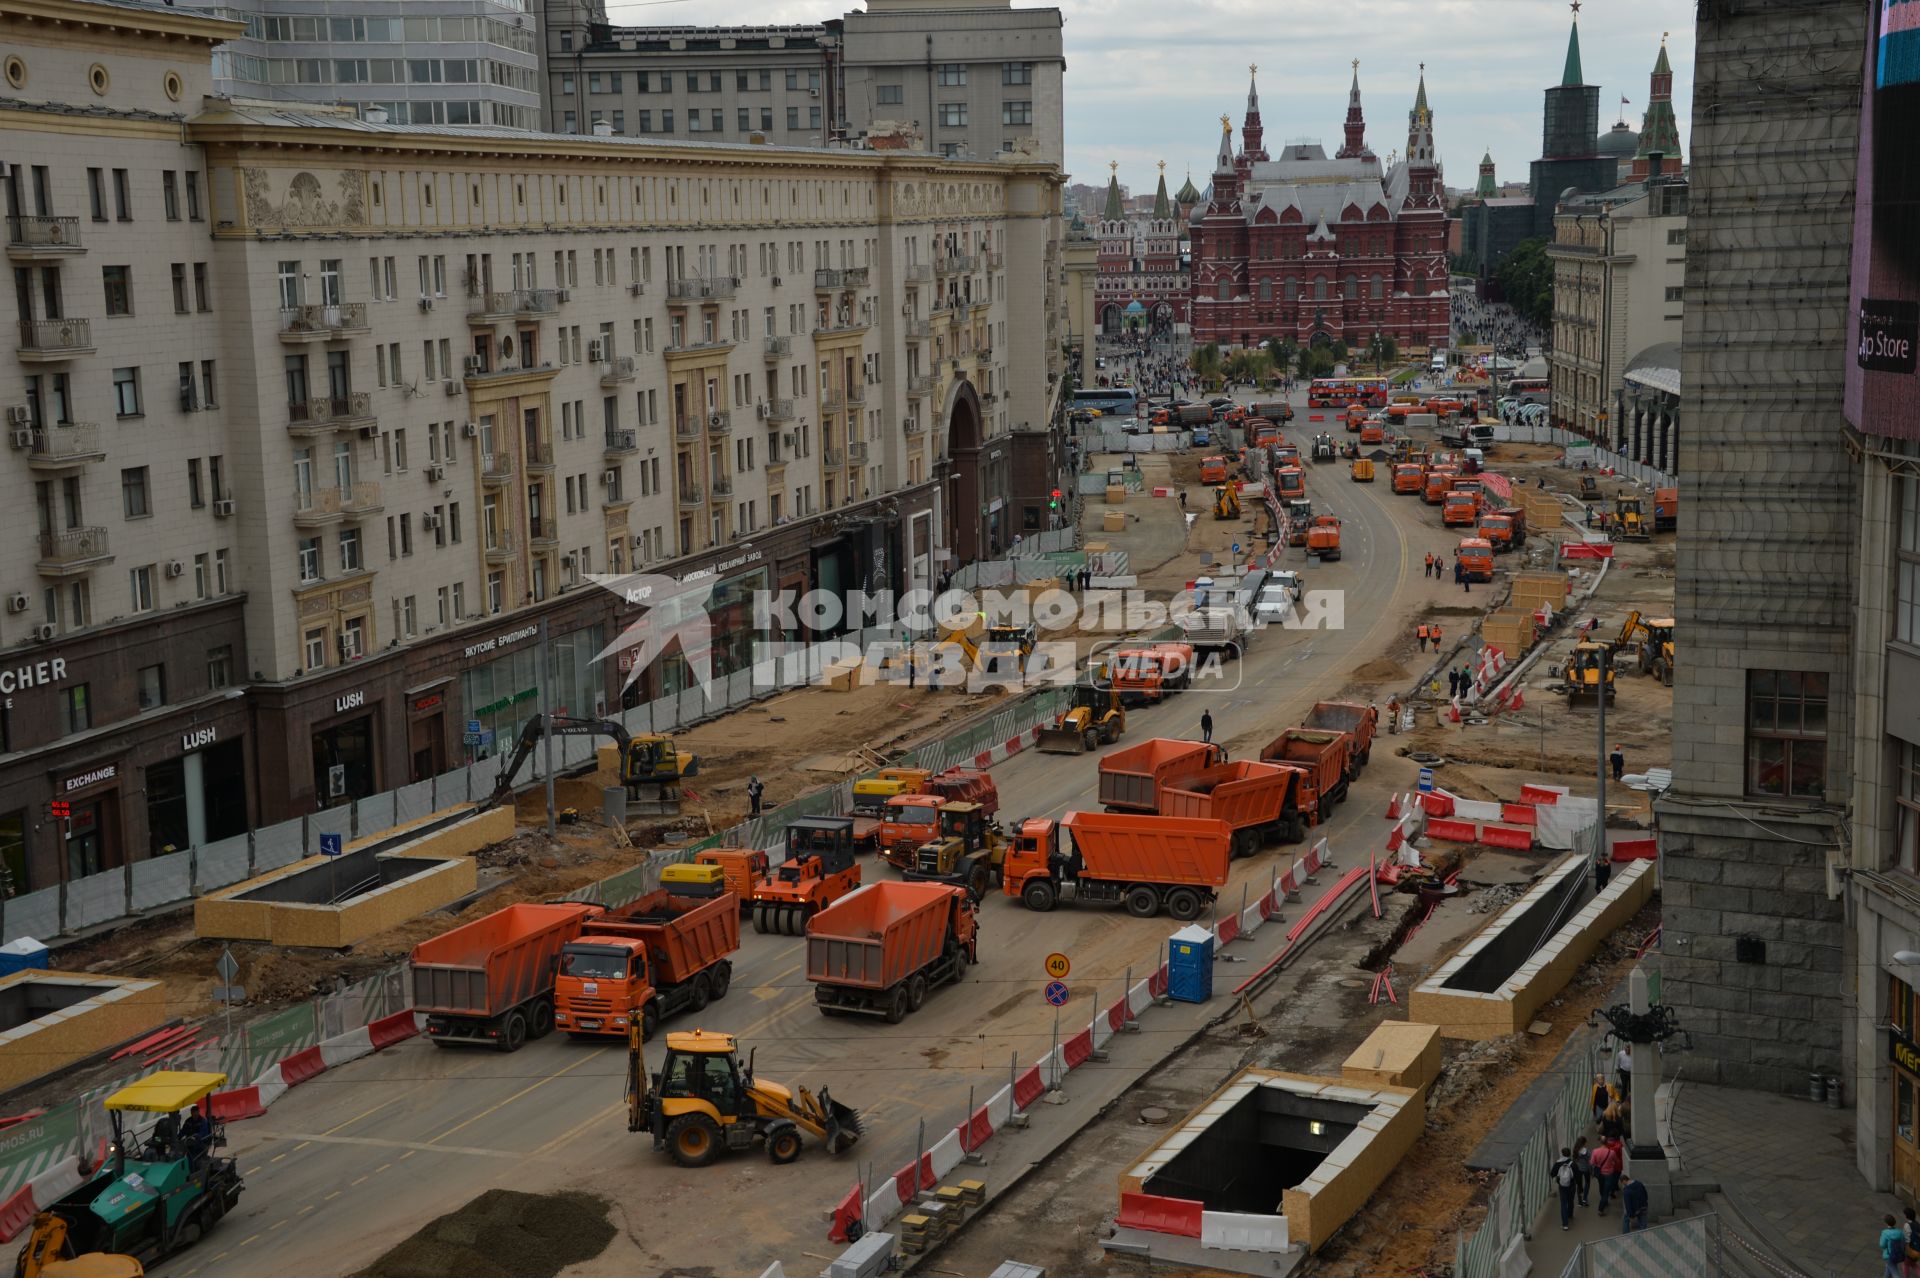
x=1883, y=371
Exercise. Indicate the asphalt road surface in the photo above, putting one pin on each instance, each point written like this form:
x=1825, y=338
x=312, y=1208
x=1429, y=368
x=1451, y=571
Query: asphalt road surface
x=349, y=1163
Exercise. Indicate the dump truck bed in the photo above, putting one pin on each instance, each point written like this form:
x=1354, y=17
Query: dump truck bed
x=682, y=935
x=1354, y=718
x=496, y=962
x=876, y=937
x=1321, y=752
x=1126, y=847
x=1131, y=778
x=1241, y=793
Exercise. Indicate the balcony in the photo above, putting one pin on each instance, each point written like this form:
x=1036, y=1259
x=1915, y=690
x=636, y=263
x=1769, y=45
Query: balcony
x=704, y=344
x=941, y=313
x=686, y=428
x=913, y=426
x=956, y=264
x=857, y=452
x=690, y=495
x=983, y=356
x=719, y=289
x=512, y=303
x=622, y=443
x=539, y=457
x=829, y=281
x=543, y=531
x=43, y=341
x=920, y=385
x=321, y=322
x=778, y=348
x=317, y=507
x=832, y=401
x=329, y=413
x=775, y=410
x=72, y=552
x=845, y=324
x=919, y=330
x=920, y=273
x=857, y=394
x=500, y=548
x=857, y=276
x=58, y=447
x=832, y=458
x=617, y=370
x=496, y=468
x=723, y=485
x=719, y=423
x=996, y=261
x=989, y=399
x=34, y=238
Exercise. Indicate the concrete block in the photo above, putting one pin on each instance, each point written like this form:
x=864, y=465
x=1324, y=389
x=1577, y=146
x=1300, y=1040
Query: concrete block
x=1748, y=874
x=74, y=1016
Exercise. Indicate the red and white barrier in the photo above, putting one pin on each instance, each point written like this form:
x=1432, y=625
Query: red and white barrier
x=1006, y=749
x=45, y=1189
x=310, y=1062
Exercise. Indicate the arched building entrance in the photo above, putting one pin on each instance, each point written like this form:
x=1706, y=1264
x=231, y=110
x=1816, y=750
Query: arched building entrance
x=976, y=483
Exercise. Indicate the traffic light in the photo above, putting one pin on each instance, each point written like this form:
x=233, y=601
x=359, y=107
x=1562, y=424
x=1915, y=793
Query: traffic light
x=1054, y=504
x=60, y=809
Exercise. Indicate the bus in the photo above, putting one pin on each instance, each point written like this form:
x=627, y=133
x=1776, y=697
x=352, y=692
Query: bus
x=1110, y=401
x=1342, y=392
x=1527, y=390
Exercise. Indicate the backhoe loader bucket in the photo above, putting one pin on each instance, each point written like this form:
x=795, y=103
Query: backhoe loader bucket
x=1065, y=739
x=842, y=1123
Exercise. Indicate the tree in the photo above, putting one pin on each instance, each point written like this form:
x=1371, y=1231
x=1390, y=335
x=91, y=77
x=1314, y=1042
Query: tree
x=1339, y=350
x=1389, y=349
x=1526, y=278
x=1207, y=365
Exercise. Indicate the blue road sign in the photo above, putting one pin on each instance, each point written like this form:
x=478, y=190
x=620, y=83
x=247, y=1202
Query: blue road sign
x=1057, y=993
x=473, y=727
x=1426, y=780
x=329, y=845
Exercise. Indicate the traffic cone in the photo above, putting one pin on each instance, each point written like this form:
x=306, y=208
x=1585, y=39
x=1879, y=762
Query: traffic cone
x=1393, y=807
x=1453, y=711
x=1395, y=839
x=1518, y=700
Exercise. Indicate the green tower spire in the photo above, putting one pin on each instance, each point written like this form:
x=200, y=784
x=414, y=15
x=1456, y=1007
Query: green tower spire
x=1571, y=75
x=1114, y=212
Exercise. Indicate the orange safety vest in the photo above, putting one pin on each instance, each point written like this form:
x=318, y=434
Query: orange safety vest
x=1424, y=632
x=1436, y=634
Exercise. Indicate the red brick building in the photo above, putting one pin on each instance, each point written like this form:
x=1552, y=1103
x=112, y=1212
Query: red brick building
x=1142, y=282
x=1311, y=249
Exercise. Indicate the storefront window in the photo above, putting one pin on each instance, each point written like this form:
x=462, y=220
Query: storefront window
x=167, y=807
x=13, y=854
x=504, y=693
x=730, y=611
x=1903, y=1109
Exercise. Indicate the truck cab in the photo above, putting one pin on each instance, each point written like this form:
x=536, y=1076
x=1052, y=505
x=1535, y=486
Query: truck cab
x=603, y=982
x=1213, y=470
x=909, y=821
x=1476, y=558
x=1438, y=483
x=1290, y=482
x=1460, y=508
x=1408, y=477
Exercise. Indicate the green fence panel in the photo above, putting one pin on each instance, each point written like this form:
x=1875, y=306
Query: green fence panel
x=281, y=1034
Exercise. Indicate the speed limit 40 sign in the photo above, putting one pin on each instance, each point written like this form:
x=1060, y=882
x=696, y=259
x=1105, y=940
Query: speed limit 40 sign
x=1058, y=966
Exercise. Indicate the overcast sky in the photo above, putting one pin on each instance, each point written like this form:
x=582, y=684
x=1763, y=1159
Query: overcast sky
x=1147, y=80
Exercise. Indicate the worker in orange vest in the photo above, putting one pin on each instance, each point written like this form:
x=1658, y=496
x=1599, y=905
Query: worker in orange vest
x=1423, y=633
x=1436, y=638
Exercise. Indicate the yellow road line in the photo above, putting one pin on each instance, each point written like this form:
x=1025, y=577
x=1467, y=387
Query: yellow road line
x=493, y=1109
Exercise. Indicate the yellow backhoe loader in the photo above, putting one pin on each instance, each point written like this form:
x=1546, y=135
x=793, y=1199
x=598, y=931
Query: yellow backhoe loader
x=1589, y=671
x=1095, y=718
x=704, y=1102
x=39, y=1258
x=1630, y=520
x=1226, y=502
x=1652, y=641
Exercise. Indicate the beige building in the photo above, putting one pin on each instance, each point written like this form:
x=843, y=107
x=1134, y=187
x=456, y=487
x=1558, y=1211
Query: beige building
x=1619, y=266
x=320, y=417
x=1080, y=278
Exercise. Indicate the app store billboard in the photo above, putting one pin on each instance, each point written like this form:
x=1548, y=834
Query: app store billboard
x=1883, y=365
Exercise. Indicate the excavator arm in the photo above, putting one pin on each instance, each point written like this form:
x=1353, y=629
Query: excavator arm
x=835, y=1125
x=554, y=725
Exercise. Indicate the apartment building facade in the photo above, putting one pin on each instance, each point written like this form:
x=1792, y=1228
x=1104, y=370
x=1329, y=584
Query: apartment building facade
x=322, y=417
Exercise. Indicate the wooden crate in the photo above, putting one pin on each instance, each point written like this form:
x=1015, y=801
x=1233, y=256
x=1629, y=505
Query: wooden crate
x=1531, y=589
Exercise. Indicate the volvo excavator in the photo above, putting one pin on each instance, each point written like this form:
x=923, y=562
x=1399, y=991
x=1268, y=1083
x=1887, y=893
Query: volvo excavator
x=650, y=762
x=704, y=1102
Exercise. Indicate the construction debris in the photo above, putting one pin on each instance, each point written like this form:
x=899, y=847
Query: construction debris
x=503, y=1234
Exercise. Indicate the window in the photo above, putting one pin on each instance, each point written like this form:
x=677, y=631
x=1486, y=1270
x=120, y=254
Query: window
x=793, y=117
x=953, y=115
x=76, y=710
x=150, y=685
x=170, y=195
x=1016, y=73
x=97, y=194
x=1787, y=733
x=221, y=578
x=951, y=74
x=193, y=196
x=353, y=638
x=140, y=580
x=888, y=95
x=133, y=492
x=179, y=272
x=315, y=646
x=122, y=196
x=1677, y=236
x=666, y=121
x=126, y=392
x=309, y=559
x=219, y=667
x=1016, y=113
x=349, y=550
x=200, y=567
x=1906, y=609
x=1675, y=294
x=195, y=497
x=119, y=288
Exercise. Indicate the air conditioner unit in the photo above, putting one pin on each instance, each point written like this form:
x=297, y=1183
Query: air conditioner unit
x=813, y=93
x=475, y=366
x=609, y=477
x=713, y=419
x=567, y=560
x=776, y=281
x=44, y=631
x=426, y=303
x=17, y=601
x=429, y=522
x=19, y=415
x=21, y=437
x=563, y=295
x=452, y=388
x=470, y=430
x=636, y=288
x=436, y=472
x=596, y=351
x=369, y=432
x=760, y=411
x=175, y=567
x=223, y=508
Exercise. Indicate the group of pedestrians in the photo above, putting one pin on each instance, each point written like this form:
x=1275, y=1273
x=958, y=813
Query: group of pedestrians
x=1579, y=1166
x=1900, y=1246
x=1428, y=633
x=1493, y=323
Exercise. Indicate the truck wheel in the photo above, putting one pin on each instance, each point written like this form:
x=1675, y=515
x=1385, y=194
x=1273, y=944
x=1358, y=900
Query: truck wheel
x=722, y=974
x=1143, y=902
x=1246, y=841
x=897, y=1005
x=1366, y=755
x=649, y=1021
x=783, y=1145
x=1184, y=904
x=699, y=995
x=541, y=1023
x=693, y=1140
x=979, y=880
x=916, y=992
x=514, y=1036
x=1039, y=895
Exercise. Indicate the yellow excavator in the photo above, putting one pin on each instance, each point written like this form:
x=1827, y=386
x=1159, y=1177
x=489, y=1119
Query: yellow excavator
x=1589, y=670
x=645, y=761
x=1652, y=641
x=49, y=1240
x=968, y=852
x=1629, y=520
x=1095, y=718
x=704, y=1102
x=1226, y=502
x=1000, y=653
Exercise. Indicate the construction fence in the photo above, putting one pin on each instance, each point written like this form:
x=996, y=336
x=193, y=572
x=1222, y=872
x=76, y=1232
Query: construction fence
x=1173, y=441
x=1696, y=1247
x=1579, y=448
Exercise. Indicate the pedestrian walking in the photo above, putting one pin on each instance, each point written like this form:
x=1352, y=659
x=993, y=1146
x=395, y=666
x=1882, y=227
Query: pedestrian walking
x=1608, y=1163
x=911, y=672
x=1913, y=1244
x=755, y=791
x=1893, y=1247
x=1619, y=761
x=1434, y=631
x=1460, y=575
x=1420, y=634
x=1582, y=1170
x=1206, y=725
x=1602, y=873
x=1562, y=1177
x=1453, y=683
x=1633, y=1208
x=1623, y=1066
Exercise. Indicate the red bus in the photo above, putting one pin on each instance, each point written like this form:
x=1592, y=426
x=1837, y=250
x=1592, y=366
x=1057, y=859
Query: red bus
x=1341, y=392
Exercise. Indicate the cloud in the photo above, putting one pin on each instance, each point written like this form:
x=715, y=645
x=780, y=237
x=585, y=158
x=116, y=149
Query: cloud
x=1148, y=80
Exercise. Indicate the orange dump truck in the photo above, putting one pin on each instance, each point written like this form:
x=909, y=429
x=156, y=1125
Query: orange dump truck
x=1439, y=482
x=910, y=820
x=1258, y=801
x=1326, y=754
x=1409, y=477
x=965, y=785
x=1666, y=509
x=1460, y=509
x=1151, y=674
x=1261, y=432
x=1131, y=780
x=1290, y=481
x=665, y=954
x=1323, y=537
x=1274, y=410
x=1373, y=431
x=1148, y=862
x=1476, y=558
x=878, y=951
x=1355, y=718
x=1213, y=470
x=1505, y=528
x=491, y=981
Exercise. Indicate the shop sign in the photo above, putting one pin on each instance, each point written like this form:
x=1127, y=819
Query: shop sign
x=427, y=702
x=106, y=772
x=38, y=674
x=1901, y=1051
x=504, y=703
x=194, y=740
x=502, y=640
x=350, y=700
x=636, y=595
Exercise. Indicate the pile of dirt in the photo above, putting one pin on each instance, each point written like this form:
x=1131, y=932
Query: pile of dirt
x=1494, y=899
x=503, y=1234
x=1378, y=671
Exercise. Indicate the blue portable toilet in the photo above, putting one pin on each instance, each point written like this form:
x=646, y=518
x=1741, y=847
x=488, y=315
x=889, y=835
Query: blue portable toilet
x=1426, y=780
x=25, y=954
x=1190, y=964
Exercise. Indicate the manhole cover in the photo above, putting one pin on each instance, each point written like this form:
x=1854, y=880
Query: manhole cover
x=1154, y=1116
x=1354, y=982
x=1427, y=760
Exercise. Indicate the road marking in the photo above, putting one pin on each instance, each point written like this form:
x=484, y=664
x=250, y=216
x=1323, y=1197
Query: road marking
x=595, y=1054
x=409, y=1154
x=246, y=1241
x=409, y=1148
x=304, y=1210
x=591, y=1120
x=330, y=1197
x=277, y=1157
x=382, y=1167
x=351, y=1184
x=278, y=1224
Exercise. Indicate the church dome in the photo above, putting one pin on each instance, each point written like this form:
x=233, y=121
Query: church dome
x=1620, y=142
x=1186, y=194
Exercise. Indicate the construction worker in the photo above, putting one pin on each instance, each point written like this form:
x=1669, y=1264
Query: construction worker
x=1421, y=634
x=755, y=791
x=1435, y=630
x=1206, y=725
x=1393, y=715
x=1619, y=761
